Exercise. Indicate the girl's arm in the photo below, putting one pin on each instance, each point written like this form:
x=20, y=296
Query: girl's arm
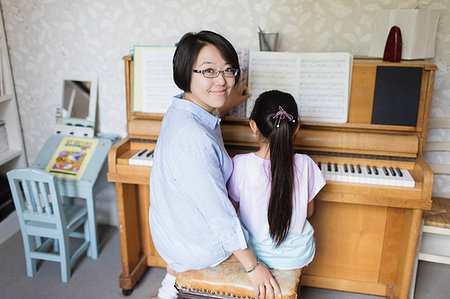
x=310, y=208
x=260, y=276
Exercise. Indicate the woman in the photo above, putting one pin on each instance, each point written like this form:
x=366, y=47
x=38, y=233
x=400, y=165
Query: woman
x=192, y=221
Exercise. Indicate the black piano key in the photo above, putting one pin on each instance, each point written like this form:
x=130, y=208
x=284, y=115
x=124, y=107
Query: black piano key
x=369, y=170
x=375, y=170
x=319, y=165
x=329, y=166
x=400, y=173
x=352, y=168
x=345, y=168
x=335, y=167
x=391, y=170
x=358, y=168
x=149, y=154
x=386, y=172
x=141, y=152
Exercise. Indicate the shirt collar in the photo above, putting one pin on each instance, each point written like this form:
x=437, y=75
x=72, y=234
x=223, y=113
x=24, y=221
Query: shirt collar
x=211, y=121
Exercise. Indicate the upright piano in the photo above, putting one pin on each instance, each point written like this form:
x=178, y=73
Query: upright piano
x=366, y=218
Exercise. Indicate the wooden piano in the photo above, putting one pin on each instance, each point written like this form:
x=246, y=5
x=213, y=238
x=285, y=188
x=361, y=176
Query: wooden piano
x=366, y=231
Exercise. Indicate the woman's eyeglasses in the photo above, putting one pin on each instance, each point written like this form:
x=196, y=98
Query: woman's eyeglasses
x=212, y=73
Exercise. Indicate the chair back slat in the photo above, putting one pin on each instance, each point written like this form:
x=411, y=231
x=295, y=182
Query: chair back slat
x=46, y=198
x=35, y=196
x=30, y=204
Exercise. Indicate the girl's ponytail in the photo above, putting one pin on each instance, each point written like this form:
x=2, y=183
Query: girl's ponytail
x=276, y=116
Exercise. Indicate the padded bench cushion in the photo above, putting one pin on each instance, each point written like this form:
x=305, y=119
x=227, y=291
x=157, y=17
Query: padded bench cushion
x=439, y=215
x=229, y=280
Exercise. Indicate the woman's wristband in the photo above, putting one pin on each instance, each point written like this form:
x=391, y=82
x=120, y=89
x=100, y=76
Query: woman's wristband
x=254, y=267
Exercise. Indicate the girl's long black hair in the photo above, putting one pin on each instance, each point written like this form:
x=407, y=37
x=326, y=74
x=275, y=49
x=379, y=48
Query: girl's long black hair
x=281, y=157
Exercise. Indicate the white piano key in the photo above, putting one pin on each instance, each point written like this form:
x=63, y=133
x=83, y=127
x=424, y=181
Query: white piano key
x=340, y=176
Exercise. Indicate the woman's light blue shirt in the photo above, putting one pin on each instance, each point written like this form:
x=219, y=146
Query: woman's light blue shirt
x=192, y=221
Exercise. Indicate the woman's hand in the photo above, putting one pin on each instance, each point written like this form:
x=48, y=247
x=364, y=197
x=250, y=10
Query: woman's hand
x=237, y=96
x=264, y=283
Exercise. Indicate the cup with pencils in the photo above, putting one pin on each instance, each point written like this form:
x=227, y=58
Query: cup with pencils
x=267, y=40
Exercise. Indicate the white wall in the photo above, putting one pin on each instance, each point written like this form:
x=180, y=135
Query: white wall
x=49, y=39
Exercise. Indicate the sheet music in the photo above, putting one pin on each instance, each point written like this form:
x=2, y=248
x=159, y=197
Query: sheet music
x=319, y=82
x=324, y=86
x=272, y=70
x=154, y=87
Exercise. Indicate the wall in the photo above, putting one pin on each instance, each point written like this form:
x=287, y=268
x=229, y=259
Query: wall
x=51, y=39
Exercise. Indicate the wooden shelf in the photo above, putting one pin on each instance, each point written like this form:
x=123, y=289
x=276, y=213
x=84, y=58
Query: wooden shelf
x=5, y=98
x=8, y=155
x=9, y=113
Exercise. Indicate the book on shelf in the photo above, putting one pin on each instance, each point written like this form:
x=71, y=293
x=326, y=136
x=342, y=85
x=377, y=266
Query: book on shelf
x=319, y=82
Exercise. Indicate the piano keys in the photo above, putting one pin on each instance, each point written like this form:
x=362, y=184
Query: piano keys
x=142, y=158
x=367, y=174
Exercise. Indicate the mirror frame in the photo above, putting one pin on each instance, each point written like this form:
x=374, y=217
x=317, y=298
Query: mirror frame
x=79, y=126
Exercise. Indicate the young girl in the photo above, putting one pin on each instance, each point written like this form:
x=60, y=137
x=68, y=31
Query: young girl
x=192, y=222
x=275, y=187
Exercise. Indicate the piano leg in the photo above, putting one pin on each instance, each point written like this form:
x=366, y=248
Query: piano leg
x=138, y=251
x=133, y=263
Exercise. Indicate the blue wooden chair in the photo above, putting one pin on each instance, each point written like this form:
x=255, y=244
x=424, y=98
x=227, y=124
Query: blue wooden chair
x=45, y=221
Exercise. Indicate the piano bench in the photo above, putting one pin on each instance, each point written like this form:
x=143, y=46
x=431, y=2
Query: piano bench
x=228, y=280
x=434, y=237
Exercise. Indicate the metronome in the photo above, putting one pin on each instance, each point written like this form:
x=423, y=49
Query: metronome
x=393, y=48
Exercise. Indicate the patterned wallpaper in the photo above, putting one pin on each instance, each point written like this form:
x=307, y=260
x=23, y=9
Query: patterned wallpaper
x=53, y=39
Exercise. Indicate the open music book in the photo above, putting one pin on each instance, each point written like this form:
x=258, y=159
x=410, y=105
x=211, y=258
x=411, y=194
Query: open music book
x=320, y=82
x=153, y=85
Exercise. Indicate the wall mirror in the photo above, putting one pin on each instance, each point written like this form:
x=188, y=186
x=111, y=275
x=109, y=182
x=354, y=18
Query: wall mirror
x=76, y=115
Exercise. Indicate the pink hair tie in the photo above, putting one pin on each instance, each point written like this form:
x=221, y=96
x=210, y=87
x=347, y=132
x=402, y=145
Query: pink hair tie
x=282, y=114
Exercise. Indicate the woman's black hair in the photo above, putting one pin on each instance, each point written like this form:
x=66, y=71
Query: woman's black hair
x=187, y=51
x=267, y=105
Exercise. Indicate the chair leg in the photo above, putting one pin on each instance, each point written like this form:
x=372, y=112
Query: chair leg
x=87, y=237
x=64, y=252
x=29, y=246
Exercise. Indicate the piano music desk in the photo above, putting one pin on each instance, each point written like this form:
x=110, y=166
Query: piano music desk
x=92, y=181
x=365, y=234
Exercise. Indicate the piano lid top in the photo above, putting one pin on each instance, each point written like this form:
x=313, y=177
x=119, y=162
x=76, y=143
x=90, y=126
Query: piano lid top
x=359, y=135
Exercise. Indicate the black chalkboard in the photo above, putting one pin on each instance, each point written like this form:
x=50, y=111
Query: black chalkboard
x=397, y=95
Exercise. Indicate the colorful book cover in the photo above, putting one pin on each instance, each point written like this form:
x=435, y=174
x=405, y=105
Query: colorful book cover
x=72, y=157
